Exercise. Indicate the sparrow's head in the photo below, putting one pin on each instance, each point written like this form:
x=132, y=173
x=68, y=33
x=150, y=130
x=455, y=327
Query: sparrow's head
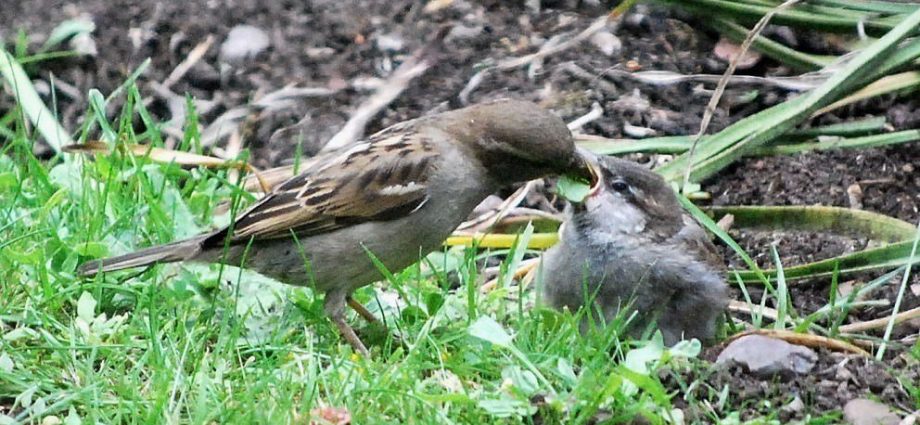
x=628, y=198
x=517, y=141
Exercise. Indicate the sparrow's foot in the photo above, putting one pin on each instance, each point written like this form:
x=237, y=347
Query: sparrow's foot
x=361, y=310
x=334, y=304
x=350, y=336
x=367, y=315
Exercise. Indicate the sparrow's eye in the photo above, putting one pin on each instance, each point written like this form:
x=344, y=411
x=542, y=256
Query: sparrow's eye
x=619, y=186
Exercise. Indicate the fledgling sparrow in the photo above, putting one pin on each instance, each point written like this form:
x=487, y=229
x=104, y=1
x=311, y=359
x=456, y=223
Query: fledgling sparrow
x=630, y=244
x=396, y=195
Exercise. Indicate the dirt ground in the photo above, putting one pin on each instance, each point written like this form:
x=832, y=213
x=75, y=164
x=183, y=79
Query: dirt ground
x=836, y=378
x=340, y=44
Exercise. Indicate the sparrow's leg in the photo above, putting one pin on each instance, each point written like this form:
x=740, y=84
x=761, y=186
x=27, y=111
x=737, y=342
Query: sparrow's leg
x=334, y=304
x=367, y=315
x=358, y=308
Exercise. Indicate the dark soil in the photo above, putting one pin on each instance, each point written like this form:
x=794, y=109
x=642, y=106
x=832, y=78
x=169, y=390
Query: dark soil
x=333, y=44
x=836, y=378
x=889, y=179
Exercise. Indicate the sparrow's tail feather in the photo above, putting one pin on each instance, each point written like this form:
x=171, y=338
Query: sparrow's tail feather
x=171, y=252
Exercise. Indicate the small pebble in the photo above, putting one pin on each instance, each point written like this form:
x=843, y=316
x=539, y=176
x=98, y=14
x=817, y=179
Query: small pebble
x=726, y=50
x=863, y=411
x=637, y=131
x=607, y=43
x=42, y=88
x=855, y=196
x=463, y=32
x=242, y=43
x=319, y=53
x=794, y=406
x=84, y=45
x=767, y=357
x=390, y=42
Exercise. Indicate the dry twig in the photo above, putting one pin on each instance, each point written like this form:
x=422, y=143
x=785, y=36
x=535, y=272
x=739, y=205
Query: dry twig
x=596, y=112
x=415, y=66
x=723, y=82
x=285, y=97
x=808, y=340
x=592, y=79
x=524, y=273
x=471, y=85
x=493, y=216
x=163, y=89
x=880, y=322
x=193, y=57
x=553, y=48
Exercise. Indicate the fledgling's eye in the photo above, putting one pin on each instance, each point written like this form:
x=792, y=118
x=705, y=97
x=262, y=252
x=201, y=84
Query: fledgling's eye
x=619, y=186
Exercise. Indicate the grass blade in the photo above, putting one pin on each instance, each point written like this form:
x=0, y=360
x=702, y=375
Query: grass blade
x=897, y=302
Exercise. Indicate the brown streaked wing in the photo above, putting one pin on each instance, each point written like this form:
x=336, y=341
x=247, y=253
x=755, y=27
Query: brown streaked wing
x=387, y=180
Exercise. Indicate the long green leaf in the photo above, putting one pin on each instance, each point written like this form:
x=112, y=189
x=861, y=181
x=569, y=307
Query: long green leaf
x=793, y=17
x=876, y=140
x=871, y=6
x=518, y=249
x=843, y=221
x=749, y=133
x=886, y=257
x=858, y=127
x=884, y=85
x=905, y=55
x=667, y=144
x=680, y=144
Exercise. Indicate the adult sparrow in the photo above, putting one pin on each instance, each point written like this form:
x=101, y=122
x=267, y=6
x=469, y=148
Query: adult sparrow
x=396, y=195
x=630, y=244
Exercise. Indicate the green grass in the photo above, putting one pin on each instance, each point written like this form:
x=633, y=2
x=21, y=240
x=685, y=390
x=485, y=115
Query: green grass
x=211, y=344
x=204, y=343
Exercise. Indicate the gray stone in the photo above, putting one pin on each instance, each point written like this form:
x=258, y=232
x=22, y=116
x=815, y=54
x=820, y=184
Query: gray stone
x=463, y=32
x=607, y=43
x=390, y=42
x=767, y=357
x=861, y=411
x=242, y=43
x=795, y=406
x=84, y=45
x=319, y=53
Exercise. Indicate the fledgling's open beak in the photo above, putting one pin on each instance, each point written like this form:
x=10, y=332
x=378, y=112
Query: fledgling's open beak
x=592, y=169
